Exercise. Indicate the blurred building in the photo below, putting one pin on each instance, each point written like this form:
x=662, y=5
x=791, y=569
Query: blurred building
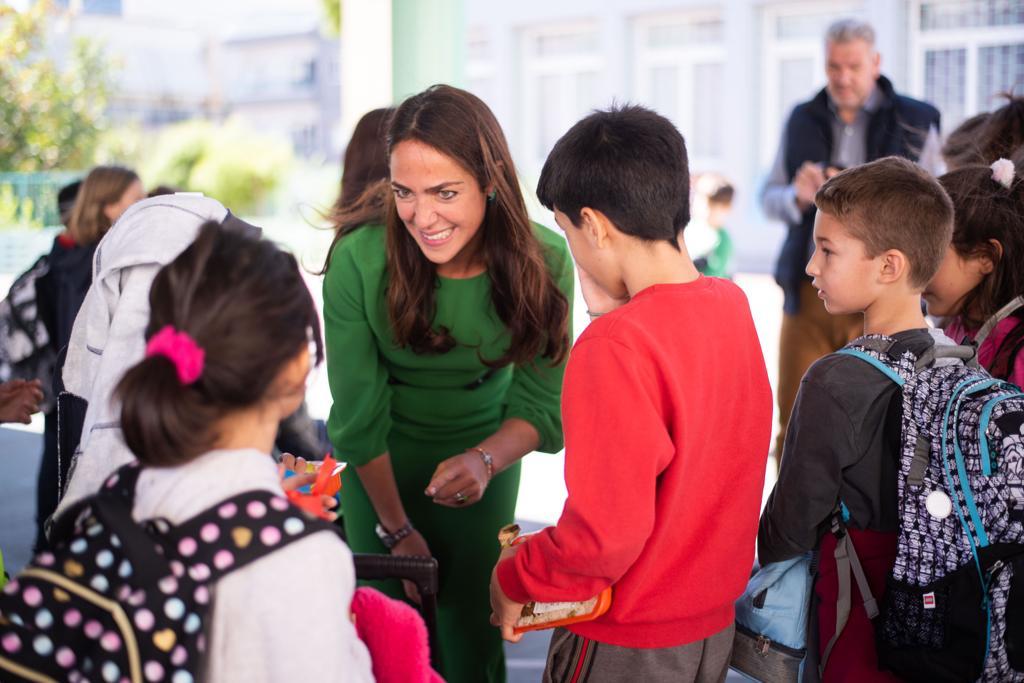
x=282, y=78
x=727, y=73
x=265, y=61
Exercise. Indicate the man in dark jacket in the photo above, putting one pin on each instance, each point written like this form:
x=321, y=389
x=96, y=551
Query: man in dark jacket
x=856, y=118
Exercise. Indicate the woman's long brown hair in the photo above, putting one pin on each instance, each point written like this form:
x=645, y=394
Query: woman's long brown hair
x=103, y=186
x=524, y=294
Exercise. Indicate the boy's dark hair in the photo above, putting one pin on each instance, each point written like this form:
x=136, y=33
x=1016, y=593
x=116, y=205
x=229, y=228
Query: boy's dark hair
x=723, y=194
x=893, y=203
x=985, y=210
x=245, y=304
x=627, y=162
x=66, y=200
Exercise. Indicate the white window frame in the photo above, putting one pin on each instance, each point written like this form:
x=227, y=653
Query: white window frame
x=534, y=67
x=972, y=39
x=481, y=69
x=774, y=51
x=685, y=58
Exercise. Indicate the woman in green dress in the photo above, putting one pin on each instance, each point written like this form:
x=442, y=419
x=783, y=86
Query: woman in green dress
x=447, y=326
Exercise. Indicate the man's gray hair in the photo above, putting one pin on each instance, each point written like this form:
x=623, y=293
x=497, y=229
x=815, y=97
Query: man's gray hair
x=846, y=30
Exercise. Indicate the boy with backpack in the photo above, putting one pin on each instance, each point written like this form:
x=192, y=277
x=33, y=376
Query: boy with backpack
x=667, y=414
x=881, y=452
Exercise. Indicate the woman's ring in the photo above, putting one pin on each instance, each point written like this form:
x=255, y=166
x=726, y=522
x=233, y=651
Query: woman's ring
x=460, y=497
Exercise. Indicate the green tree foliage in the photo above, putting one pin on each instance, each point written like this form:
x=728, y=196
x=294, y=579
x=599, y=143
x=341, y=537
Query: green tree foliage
x=230, y=163
x=332, y=17
x=50, y=118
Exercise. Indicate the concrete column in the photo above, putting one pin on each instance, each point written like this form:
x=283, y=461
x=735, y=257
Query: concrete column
x=366, y=60
x=428, y=44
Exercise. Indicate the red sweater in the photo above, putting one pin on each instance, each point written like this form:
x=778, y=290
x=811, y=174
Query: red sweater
x=667, y=417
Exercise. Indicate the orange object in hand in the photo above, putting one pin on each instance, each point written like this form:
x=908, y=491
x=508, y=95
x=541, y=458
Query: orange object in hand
x=327, y=483
x=543, y=615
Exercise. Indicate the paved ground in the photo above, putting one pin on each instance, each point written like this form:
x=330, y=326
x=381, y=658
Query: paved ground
x=542, y=492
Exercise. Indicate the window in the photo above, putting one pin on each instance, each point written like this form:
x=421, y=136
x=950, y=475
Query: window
x=305, y=73
x=480, y=65
x=679, y=67
x=793, y=66
x=561, y=72
x=305, y=140
x=964, y=53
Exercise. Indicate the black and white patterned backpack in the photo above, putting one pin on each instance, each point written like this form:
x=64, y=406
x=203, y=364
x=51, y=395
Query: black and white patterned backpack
x=120, y=601
x=25, y=349
x=954, y=603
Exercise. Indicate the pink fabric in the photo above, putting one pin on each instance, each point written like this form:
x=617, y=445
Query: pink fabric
x=181, y=349
x=396, y=637
x=987, y=353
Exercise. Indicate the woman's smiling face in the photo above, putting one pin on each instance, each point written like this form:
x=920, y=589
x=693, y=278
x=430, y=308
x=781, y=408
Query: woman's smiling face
x=441, y=205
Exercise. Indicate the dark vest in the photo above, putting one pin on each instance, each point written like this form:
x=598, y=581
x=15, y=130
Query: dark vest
x=899, y=127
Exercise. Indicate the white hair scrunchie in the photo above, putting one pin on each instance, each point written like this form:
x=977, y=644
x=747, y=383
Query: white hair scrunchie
x=1003, y=172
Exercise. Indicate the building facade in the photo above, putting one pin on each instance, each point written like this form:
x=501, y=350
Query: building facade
x=727, y=73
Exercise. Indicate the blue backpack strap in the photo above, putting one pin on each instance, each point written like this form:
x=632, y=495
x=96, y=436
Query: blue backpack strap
x=986, y=417
x=879, y=365
x=967, y=387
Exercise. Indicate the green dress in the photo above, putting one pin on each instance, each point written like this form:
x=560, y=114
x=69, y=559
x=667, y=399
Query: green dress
x=420, y=409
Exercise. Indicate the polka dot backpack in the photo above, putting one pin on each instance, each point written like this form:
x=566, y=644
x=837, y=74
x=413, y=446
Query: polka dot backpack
x=116, y=600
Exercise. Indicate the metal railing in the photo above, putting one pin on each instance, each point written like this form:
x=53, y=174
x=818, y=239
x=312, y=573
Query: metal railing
x=29, y=200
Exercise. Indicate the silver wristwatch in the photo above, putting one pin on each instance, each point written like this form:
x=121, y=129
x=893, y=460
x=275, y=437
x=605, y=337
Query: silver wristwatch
x=390, y=540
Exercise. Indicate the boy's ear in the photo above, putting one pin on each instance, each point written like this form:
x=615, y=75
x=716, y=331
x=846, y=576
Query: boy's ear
x=894, y=266
x=595, y=224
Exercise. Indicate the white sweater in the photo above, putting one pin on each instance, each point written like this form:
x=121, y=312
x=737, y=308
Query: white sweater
x=285, y=617
x=108, y=335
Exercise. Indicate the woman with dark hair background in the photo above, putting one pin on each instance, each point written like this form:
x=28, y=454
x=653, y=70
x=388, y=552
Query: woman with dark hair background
x=366, y=157
x=446, y=315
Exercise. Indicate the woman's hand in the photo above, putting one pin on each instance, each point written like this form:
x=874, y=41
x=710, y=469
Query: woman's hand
x=415, y=545
x=459, y=481
x=598, y=301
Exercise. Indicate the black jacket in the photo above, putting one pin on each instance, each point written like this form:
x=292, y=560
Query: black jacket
x=899, y=127
x=843, y=443
x=60, y=293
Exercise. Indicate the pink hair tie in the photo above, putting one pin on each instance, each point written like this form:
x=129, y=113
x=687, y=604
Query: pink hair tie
x=181, y=349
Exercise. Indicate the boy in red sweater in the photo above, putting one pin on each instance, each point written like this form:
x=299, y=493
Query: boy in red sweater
x=667, y=416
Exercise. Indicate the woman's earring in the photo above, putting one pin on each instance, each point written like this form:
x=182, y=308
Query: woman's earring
x=492, y=195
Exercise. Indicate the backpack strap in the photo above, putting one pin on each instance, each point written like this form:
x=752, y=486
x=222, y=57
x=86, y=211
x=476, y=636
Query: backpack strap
x=983, y=422
x=847, y=561
x=237, y=532
x=997, y=318
x=871, y=360
x=118, y=490
x=965, y=352
x=882, y=345
x=971, y=385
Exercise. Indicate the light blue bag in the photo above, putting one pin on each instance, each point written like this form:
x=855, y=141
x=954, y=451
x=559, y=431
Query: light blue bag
x=771, y=621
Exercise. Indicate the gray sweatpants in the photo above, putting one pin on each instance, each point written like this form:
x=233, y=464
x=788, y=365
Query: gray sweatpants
x=574, y=659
